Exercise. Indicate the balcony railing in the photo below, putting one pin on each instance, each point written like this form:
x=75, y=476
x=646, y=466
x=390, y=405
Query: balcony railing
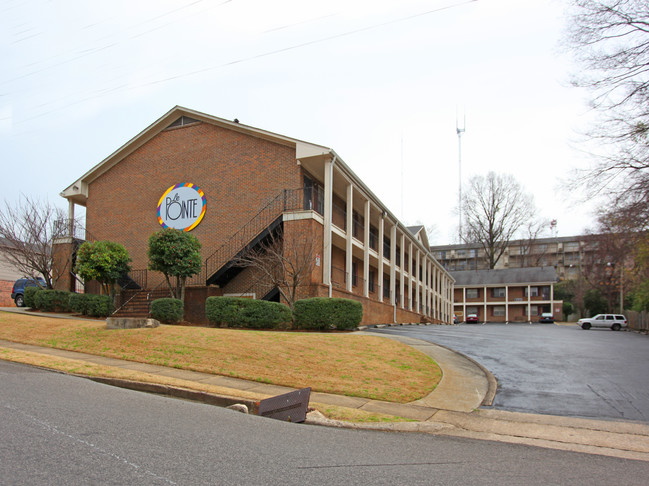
x=69, y=228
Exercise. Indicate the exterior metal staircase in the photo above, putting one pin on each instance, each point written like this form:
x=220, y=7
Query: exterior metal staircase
x=219, y=267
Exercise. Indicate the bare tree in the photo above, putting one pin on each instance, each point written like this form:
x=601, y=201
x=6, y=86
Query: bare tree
x=610, y=39
x=495, y=208
x=29, y=229
x=532, y=253
x=284, y=263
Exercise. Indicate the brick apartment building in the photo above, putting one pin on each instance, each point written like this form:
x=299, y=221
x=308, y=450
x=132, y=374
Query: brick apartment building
x=248, y=183
x=507, y=295
x=567, y=254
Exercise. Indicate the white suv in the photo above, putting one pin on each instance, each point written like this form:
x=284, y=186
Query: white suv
x=614, y=321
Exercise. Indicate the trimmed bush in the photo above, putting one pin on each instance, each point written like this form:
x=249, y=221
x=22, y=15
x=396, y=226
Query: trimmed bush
x=239, y=312
x=49, y=300
x=99, y=305
x=80, y=303
x=325, y=313
x=29, y=294
x=168, y=311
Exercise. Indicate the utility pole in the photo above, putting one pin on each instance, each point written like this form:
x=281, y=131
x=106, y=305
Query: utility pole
x=460, y=131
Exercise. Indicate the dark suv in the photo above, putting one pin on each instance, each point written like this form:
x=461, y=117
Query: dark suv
x=18, y=290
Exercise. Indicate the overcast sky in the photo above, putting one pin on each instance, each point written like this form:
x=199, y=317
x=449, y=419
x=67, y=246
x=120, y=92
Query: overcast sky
x=379, y=81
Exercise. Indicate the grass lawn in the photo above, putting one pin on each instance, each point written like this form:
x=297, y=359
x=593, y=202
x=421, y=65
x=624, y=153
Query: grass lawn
x=344, y=364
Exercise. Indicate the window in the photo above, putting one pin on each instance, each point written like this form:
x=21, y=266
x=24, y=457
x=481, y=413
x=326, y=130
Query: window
x=471, y=310
x=499, y=311
x=398, y=255
x=374, y=238
x=386, y=287
x=571, y=246
x=313, y=195
x=534, y=291
x=498, y=292
x=372, y=278
x=386, y=247
x=354, y=272
x=460, y=253
x=472, y=294
x=534, y=310
x=358, y=225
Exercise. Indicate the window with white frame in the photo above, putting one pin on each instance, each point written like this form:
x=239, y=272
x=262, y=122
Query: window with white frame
x=498, y=292
x=533, y=291
x=472, y=293
x=499, y=311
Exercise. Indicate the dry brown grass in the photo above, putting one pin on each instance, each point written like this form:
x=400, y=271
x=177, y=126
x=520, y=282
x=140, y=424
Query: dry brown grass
x=83, y=368
x=345, y=364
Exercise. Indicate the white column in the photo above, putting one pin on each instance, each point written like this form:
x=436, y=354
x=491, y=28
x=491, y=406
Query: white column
x=380, y=269
x=393, y=264
x=366, y=251
x=417, y=283
x=349, y=233
x=552, y=298
x=402, y=281
x=424, y=287
x=484, y=301
x=410, y=259
x=328, y=208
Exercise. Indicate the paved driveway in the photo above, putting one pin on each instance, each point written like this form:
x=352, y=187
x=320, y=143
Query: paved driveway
x=551, y=369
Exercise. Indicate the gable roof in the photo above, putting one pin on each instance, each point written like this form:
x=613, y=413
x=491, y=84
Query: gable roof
x=178, y=115
x=508, y=276
x=419, y=231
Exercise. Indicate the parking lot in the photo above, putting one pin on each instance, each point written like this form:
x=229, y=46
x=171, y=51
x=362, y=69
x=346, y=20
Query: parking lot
x=554, y=369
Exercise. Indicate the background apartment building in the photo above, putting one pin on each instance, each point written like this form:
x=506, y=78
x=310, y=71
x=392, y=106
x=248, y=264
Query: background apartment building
x=566, y=254
x=506, y=295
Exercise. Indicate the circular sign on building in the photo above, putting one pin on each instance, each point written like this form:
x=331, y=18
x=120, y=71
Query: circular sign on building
x=182, y=207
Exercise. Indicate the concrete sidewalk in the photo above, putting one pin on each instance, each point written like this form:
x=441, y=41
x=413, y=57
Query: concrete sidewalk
x=452, y=409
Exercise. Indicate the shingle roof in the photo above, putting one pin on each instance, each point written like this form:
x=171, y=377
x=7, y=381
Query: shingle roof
x=415, y=229
x=505, y=276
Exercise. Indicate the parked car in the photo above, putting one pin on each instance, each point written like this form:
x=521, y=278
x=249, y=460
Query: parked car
x=471, y=319
x=456, y=320
x=612, y=321
x=18, y=290
x=547, y=317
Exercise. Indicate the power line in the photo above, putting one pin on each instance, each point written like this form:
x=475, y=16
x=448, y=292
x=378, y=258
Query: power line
x=127, y=87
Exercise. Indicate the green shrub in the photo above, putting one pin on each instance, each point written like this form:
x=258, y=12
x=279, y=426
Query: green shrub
x=99, y=305
x=79, y=303
x=30, y=292
x=262, y=314
x=49, y=300
x=168, y=311
x=239, y=312
x=326, y=313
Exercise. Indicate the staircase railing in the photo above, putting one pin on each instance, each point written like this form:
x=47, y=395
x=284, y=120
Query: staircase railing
x=287, y=200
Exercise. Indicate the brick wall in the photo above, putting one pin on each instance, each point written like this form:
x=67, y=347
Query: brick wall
x=5, y=293
x=238, y=173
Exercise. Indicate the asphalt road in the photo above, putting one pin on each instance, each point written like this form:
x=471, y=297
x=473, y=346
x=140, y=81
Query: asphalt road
x=551, y=369
x=57, y=429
